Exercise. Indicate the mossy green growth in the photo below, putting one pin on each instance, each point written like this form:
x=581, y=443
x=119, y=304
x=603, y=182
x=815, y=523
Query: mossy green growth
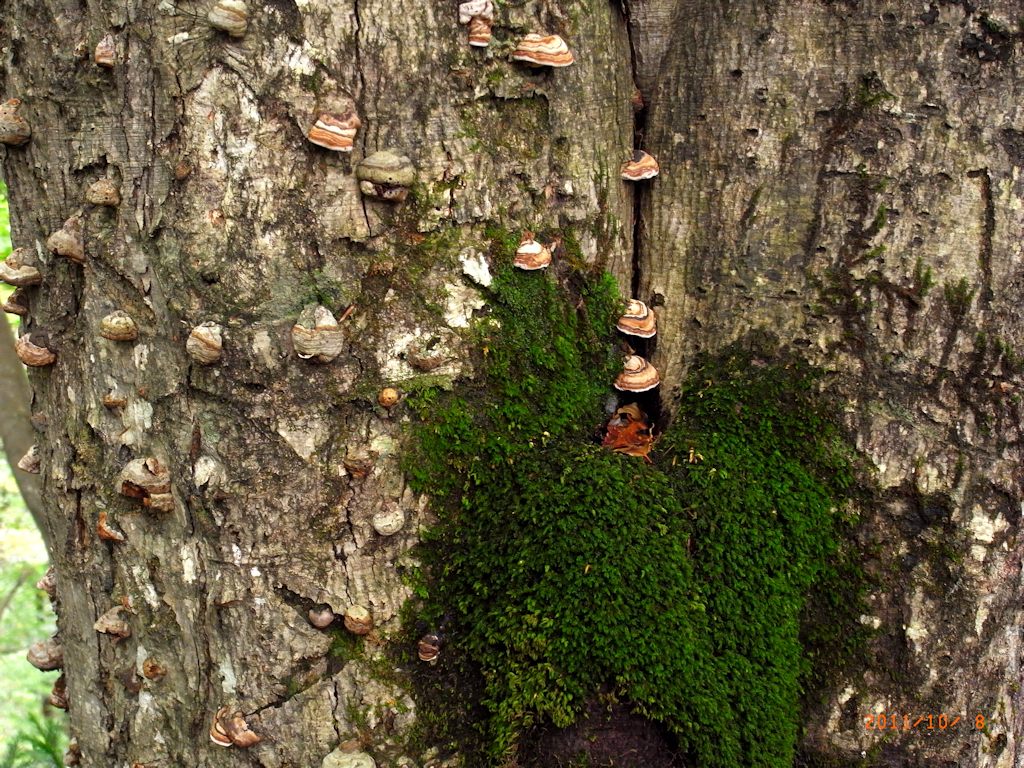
x=570, y=570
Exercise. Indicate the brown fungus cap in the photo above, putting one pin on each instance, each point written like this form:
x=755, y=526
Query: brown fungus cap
x=543, y=51
x=637, y=375
x=530, y=254
x=642, y=166
x=638, y=320
x=335, y=132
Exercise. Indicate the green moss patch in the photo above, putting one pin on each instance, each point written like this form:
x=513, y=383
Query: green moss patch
x=569, y=570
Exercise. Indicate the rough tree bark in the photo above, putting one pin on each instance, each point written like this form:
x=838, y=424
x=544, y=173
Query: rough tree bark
x=836, y=177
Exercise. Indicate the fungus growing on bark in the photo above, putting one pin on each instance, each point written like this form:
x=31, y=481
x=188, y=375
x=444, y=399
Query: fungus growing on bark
x=479, y=15
x=105, y=51
x=67, y=241
x=637, y=375
x=111, y=623
x=321, y=619
x=229, y=16
x=59, y=694
x=335, y=132
x=642, y=166
x=358, y=620
x=230, y=729
x=316, y=336
x=31, y=461
x=31, y=354
x=638, y=320
x=19, y=268
x=205, y=343
x=543, y=51
x=14, y=129
x=105, y=531
x=103, y=192
x=530, y=254
x=16, y=303
x=148, y=480
x=119, y=326
x=429, y=647
x=46, y=655
x=386, y=175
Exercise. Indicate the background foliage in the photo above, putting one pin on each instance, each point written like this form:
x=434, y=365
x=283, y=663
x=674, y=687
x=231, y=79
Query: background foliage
x=569, y=571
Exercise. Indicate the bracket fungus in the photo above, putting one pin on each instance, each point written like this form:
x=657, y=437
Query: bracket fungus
x=543, y=51
x=317, y=336
x=16, y=303
x=111, y=623
x=14, y=129
x=358, y=620
x=231, y=16
x=46, y=655
x=105, y=531
x=530, y=254
x=230, y=729
x=638, y=320
x=335, y=132
x=67, y=241
x=59, y=694
x=31, y=461
x=642, y=166
x=103, y=192
x=48, y=583
x=429, y=647
x=105, y=52
x=19, y=268
x=34, y=355
x=119, y=326
x=205, y=344
x=637, y=375
x=148, y=480
x=386, y=175
x=479, y=15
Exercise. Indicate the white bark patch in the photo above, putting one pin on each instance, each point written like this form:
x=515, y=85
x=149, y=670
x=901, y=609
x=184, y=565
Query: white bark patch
x=474, y=266
x=916, y=630
x=462, y=302
x=303, y=435
x=227, y=674
x=207, y=470
x=137, y=419
x=264, y=349
x=983, y=527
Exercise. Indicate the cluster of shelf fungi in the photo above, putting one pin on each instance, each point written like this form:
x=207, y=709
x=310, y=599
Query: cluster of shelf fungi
x=385, y=175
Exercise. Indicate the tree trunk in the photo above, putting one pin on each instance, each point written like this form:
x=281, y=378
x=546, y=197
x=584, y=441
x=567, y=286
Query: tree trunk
x=823, y=166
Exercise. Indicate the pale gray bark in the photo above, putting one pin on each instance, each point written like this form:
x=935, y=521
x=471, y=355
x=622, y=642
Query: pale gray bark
x=795, y=140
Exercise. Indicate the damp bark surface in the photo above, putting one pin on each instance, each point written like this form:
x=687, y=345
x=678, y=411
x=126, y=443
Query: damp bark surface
x=840, y=179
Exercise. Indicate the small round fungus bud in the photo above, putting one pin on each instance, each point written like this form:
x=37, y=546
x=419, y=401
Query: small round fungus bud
x=429, y=647
x=642, y=166
x=321, y=619
x=14, y=129
x=335, y=132
x=543, y=51
x=229, y=16
x=388, y=397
